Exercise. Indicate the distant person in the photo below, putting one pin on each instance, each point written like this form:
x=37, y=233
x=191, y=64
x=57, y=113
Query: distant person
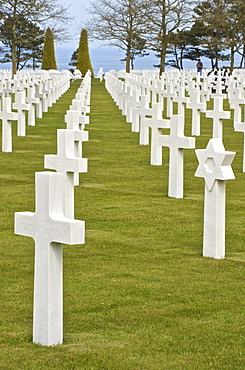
x=199, y=66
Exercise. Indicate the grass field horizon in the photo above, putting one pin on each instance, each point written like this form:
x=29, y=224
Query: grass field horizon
x=138, y=294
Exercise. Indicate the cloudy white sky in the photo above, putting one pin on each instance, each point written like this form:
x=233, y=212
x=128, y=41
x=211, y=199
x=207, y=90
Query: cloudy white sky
x=108, y=58
x=77, y=10
x=101, y=57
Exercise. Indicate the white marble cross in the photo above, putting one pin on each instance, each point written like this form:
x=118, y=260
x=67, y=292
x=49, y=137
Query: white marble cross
x=133, y=102
x=83, y=110
x=8, y=90
x=32, y=100
x=134, y=114
x=40, y=106
x=169, y=94
x=7, y=116
x=156, y=123
x=126, y=99
x=217, y=114
x=118, y=91
x=47, y=94
x=21, y=106
x=67, y=163
x=144, y=111
x=47, y=90
x=122, y=96
x=176, y=142
x=52, y=95
x=50, y=229
x=191, y=86
x=236, y=102
x=79, y=104
x=73, y=122
x=197, y=107
x=83, y=120
x=155, y=90
x=181, y=99
x=240, y=127
x=205, y=91
x=215, y=168
x=218, y=87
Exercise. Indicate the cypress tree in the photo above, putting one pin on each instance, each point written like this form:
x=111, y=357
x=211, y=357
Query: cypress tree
x=83, y=60
x=49, y=61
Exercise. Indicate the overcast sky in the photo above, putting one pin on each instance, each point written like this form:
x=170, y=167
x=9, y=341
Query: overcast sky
x=76, y=10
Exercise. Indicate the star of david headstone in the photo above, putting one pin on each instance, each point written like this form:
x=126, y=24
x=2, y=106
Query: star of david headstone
x=215, y=167
x=214, y=163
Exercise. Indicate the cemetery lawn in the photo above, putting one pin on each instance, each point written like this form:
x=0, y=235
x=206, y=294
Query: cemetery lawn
x=138, y=294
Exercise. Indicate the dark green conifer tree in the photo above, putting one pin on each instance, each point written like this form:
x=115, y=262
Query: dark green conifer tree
x=83, y=60
x=49, y=61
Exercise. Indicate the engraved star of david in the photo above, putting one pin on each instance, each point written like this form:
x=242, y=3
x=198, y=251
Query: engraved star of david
x=214, y=163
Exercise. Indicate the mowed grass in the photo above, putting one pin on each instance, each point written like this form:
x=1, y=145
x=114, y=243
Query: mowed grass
x=138, y=294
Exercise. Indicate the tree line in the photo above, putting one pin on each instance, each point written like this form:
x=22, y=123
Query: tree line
x=182, y=29
x=22, y=29
x=173, y=29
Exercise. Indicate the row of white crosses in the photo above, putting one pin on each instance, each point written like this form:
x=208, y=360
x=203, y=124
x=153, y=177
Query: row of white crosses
x=52, y=225
x=173, y=88
x=237, y=100
x=214, y=162
x=33, y=92
x=176, y=141
x=77, y=116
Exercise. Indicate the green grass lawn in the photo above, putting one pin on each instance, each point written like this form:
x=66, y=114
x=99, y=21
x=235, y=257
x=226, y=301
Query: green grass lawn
x=138, y=294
